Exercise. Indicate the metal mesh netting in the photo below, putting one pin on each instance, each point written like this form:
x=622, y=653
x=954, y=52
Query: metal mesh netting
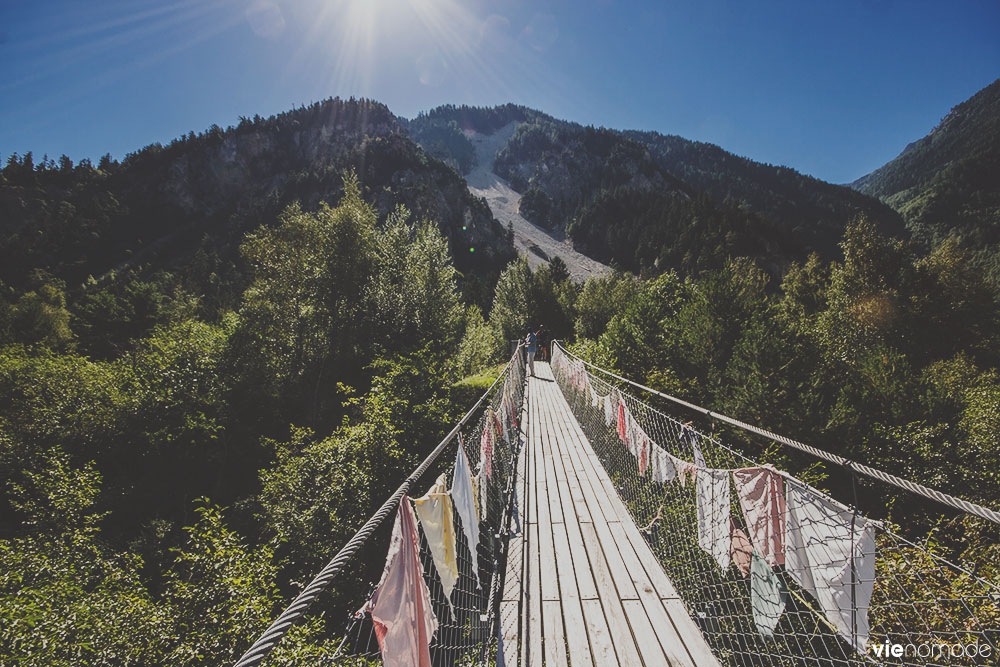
x=922, y=607
x=467, y=626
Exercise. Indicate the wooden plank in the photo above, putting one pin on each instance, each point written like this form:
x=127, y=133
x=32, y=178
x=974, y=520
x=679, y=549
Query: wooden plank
x=603, y=499
x=546, y=550
x=551, y=447
x=532, y=607
x=640, y=579
x=645, y=635
x=546, y=557
x=615, y=509
x=601, y=643
x=616, y=564
x=572, y=497
x=576, y=630
x=531, y=418
x=555, y=640
x=672, y=644
x=509, y=611
x=581, y=563
x=595, y=497
x=694, y=641
x=549, y=457
x=614, y=614
x=584, y=579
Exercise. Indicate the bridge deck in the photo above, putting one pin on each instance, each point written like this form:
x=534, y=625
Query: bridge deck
x=583, y=587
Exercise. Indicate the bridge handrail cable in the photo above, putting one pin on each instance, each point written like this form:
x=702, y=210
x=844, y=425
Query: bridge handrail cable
x=853, y=466
x=297, y=609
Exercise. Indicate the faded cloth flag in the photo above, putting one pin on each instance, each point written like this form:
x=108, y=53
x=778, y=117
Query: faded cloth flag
x=401, y=605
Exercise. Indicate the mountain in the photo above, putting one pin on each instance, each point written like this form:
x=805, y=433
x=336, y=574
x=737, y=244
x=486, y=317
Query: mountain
x=808, y=207
x=949, y=181
x=193, y=200
x=650, y=202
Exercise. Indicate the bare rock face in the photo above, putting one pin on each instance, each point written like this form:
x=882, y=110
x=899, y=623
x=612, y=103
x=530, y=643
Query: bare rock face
x=535, y=242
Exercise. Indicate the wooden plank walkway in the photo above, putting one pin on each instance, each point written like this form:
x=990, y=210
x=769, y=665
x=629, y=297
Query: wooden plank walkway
x=583, y=587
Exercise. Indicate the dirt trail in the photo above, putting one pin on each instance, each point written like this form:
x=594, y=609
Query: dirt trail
x=504, y=203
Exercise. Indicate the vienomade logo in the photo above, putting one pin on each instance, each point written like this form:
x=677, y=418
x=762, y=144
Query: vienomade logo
x=930, y=650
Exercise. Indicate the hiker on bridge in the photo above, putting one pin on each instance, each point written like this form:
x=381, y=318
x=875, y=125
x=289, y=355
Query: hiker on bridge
x=530, y=347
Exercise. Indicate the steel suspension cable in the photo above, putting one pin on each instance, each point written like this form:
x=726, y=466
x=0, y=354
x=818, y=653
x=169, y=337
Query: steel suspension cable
x=297, y=609
x=853, y=466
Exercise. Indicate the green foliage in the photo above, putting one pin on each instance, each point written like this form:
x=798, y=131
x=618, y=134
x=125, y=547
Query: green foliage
x=601, y=299
x=509, y=315
x=309, y=302
x=479, y=346
x=930, y=588
x=638, y=337
x=536, y=207
x=480, y=119
x=525, y=299
x=63, y=599
x=445, y=141
x=39, y=316
x=945, y=183
x=331, y=291
x=552, y=298
x=217, y=582
x=813, y=211
x=317, y=493
x=110, y=318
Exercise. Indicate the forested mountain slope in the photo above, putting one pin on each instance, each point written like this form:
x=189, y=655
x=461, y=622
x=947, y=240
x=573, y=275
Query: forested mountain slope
x=948, y=182
x=198, y=196
x=650, y=202
x=806, y=206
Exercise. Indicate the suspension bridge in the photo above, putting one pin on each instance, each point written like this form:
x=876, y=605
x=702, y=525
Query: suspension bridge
x=600, y=529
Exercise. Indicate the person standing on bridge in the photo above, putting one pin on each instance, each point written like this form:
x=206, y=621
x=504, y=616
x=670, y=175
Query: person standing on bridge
x=530, y=347
x=543, y=343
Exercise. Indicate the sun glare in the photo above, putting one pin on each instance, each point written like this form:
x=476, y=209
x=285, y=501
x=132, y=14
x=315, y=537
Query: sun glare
x=363, y=37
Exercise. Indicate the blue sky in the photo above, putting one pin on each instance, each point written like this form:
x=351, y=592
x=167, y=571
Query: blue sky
x=831, y=88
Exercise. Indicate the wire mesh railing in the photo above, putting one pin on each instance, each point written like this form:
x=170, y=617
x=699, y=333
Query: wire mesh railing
x=774, y=571
x=467, y=619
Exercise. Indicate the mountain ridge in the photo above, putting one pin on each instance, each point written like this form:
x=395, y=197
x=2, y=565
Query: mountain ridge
x=162, y=202
x=583, y=181
x=948, y=182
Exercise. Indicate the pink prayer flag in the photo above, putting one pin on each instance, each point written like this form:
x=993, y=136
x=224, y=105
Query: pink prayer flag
x=497, y=426
x=486, y=447
x=401, y=605
x=644, y=457
x=740, y=549
x=622, y=427
x=762, y=497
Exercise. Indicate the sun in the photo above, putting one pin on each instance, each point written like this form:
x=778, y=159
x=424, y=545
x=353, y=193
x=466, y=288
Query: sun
x=361, y=37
